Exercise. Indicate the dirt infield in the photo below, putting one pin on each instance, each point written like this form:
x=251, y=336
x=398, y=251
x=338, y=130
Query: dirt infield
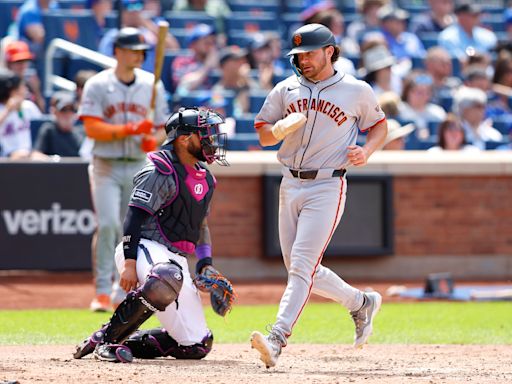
x=387, y=364
x=299, y=364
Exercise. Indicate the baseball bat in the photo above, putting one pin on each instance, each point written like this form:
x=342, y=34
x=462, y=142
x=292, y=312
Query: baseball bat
x=163, y=27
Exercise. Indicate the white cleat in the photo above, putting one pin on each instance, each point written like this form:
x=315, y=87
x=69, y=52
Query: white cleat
x=363, y=318
x=269, y=347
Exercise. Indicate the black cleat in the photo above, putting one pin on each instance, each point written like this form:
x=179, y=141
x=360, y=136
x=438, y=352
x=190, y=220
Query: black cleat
x=115, y=353
x=87, y=346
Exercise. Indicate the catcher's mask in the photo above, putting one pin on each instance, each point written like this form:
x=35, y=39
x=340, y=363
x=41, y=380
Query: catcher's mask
x=205, y=123
x=309, y=38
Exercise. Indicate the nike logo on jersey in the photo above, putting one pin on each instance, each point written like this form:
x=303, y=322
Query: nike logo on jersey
x=320, y=105
x=291, y=88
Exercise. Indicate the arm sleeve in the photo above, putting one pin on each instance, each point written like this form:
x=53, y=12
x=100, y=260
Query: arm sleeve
x=132, y=230
x=98, y=129
x=369, y=111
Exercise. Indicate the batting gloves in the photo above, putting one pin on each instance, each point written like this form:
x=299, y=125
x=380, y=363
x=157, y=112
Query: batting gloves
x=139, y=128
x=148, y=143
x=289, y=124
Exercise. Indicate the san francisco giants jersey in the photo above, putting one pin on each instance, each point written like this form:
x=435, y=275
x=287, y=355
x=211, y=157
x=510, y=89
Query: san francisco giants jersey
x=336, y=109
x=109, y=99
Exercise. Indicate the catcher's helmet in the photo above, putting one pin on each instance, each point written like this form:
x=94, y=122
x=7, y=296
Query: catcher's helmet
x=205, y=123
x=310, y=37
x=131, y=38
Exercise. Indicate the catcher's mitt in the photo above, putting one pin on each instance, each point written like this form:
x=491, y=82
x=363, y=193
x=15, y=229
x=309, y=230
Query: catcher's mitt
x=221, y=291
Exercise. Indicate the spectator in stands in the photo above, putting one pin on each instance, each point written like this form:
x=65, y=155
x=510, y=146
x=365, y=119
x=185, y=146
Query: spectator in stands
x=416, y=106
x=333, y=19
x=18, y=59
x=276, y=45
x=377, y=70
x=475, y=76
x=235, y=78
x=261, y=60
x=466, y=36
x=402, y=44
x=469, y=104
x=192, y=72
x=60, y=136
x=30, y=23
x=311, y=8
x=15, y=115
x=132, y=16
x=507, y=17
x=395, y=138
x=437, y=18
x=215, y=8
x=451, y=136
x=438, y=65
x=501, y=86
x=369, y=21
x=390, y=104
x=100, y=10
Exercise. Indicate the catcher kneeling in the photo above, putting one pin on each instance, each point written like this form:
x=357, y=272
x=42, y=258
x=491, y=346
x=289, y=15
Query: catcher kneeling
x=166, y=221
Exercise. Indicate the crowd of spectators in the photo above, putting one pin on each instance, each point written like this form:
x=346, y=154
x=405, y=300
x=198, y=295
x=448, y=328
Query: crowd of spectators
x=442, y=68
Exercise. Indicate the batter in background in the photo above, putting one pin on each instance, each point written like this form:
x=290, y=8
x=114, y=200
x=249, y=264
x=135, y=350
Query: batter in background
x=114, y=109
x=317, y=114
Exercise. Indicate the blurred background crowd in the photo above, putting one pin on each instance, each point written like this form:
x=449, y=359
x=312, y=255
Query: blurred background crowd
x=442, y=69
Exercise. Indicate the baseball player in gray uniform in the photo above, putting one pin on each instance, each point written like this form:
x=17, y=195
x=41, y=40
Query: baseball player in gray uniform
x=317, y=114
x=114, y=109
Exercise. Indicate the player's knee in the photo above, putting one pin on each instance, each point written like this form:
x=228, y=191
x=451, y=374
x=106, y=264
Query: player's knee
x=163, y=285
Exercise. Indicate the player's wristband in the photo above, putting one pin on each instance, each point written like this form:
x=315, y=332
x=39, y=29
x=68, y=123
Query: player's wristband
x=204, y=256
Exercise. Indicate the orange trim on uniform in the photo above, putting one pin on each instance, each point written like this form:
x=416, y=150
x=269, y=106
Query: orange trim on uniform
x=259, y=124
x=378, y=122
x=321, y=253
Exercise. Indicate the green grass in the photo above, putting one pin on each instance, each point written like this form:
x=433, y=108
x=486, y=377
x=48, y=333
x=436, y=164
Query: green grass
x=398, y=323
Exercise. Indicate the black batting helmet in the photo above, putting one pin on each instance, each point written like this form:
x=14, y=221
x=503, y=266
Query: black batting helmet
x=131, y=38
x=310, y=37
x=205, y=123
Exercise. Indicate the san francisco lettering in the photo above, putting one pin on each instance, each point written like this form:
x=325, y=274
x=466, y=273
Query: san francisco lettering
x=323, y=106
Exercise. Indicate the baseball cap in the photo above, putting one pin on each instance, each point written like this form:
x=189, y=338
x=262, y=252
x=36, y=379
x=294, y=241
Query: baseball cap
x=466, y=7
x=232, y=52
x=199, y=31
x=63, y=99
x=390, y=12
x=259, y=40
x=133, y=5
x=376, y=58
x=17, y=51
x=396, y=131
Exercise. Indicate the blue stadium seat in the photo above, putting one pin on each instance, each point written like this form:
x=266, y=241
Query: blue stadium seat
x=188, y=19
x=294, y=6
x=244, y=142
x=245, y=124
x=202, y=98
x=111, y=21
x=245, y=21
x=240, y=38
x=72, y=4
x=503, y=123
x=166, y=75
x=74, y=26
x=446, y=101
x=493, y=21
x=490, y=145
x=8, y=12
x=35, y=124
x=433, y=127
x=256, y=100
x=429, y=39
x=255, y=7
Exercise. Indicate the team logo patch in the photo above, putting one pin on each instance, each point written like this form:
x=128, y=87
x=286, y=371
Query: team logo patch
x=140, y=194
x=198, y=189
x=297, y=39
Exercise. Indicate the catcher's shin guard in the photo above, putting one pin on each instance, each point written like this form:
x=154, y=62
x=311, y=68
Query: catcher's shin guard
x=151, y=343
x=159, y=290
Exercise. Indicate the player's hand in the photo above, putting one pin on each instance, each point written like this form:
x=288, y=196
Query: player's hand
x=139, y=128
x=289, y=124
x=148, y=143
x=128, y=279
x=357, y=155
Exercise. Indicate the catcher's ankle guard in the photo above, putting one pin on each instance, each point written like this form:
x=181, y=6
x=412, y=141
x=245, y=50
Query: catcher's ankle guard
x=151, y=343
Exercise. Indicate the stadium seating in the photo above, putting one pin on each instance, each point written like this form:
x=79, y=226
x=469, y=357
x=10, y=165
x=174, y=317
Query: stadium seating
x=244, y=142
x=8, y=12
x=72, y=4
x=245, y=124
x=35, y=124
x=248, y=22
x=256, y=100
x=255, y=7
x=503, y=123
x=188, y=19
x=74, y=26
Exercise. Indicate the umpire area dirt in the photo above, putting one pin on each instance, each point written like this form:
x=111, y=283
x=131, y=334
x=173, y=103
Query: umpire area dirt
x=237, y=363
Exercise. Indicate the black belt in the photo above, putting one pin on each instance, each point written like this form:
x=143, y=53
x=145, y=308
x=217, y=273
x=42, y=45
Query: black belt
x=311, y=175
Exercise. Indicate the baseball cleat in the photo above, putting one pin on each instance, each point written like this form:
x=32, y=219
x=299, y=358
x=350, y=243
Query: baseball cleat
x=363, y=318
x=101, y=303
x=115, y=353
x=88, y=345
x=269, y=347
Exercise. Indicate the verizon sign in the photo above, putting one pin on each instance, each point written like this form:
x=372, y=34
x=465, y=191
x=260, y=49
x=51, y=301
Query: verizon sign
x=46, y=216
